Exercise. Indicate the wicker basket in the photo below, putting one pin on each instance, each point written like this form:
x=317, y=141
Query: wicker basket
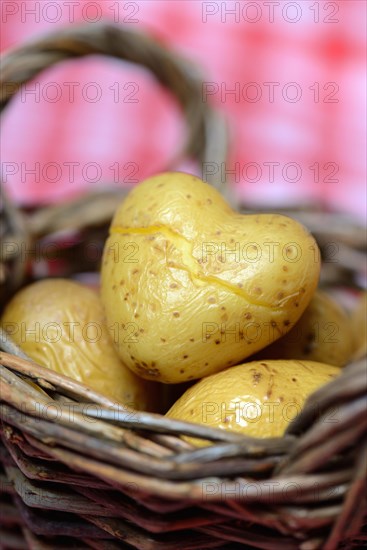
x=80, y=472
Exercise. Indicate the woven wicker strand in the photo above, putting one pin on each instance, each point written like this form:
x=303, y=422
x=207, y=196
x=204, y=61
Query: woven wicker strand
x=79, y=471
x=241, y=483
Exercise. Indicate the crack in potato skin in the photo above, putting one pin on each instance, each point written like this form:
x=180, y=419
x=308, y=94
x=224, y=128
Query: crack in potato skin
x=174, y=289
x=194, y=271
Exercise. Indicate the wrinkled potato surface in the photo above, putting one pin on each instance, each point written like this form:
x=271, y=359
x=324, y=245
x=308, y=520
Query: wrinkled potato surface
x=60, y=324
x=200, y=286
x=258, y=399
x=323, y=333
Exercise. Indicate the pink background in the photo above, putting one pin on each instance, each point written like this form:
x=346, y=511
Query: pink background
x=306, y=143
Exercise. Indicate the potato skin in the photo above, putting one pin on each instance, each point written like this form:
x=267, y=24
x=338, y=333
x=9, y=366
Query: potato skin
x=198, y=307
x=60, y=324
x=257, y=399
x=322, y=334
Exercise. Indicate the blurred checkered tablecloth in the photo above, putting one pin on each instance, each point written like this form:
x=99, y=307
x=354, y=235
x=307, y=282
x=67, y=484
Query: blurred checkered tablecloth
x=290, y=77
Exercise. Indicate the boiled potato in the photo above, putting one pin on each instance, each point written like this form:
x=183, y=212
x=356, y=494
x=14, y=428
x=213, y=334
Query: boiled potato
x=323, y=334
x=60, y=324
x=359, y=327
x=257, y=399
x=202, y=283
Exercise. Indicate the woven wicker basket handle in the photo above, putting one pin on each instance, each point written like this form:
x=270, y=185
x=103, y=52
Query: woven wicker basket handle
x=206, y=140
x=206, y=136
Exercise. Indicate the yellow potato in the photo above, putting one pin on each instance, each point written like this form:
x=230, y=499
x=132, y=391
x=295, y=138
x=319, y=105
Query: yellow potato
x=359, y=328
x=60, y=324
x=257, y=399
x=323, y=334
x=201, y=283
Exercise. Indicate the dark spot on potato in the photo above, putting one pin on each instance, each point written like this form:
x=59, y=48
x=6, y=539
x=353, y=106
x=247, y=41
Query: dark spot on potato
x=190, y=377
x=266, y=366
x=153, y=372
x=231, y=240
x=217, y=342
x=248, y=316
x=173, y=285
x=285, y=268
x=192, y=340
x=223, y=308
x=176, y=314
x=141, y=330
x=296, y=304
x=286, y=323
x=114, y=287
x=256, y=377
x=122, y=282
x=184, y=356
x=136, y=315
x=191, y=410
x=161, y=185
x=188, y=196
x=144, y=363
x=224, y=318
x=206, y=364
x=294, y=379
x=153, y=363
x=281, y=399
x=163, y=340
x=209, y=201
x=280, y=295
x=211, y=300
x=240, y=285
x=135, y=271
x=226, y=420
x=258, y=289
x=182, y=371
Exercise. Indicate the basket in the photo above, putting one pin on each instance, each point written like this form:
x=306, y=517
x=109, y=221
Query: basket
x=79, y=471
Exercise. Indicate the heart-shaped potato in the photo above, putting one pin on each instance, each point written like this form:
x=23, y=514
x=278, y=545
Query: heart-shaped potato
x=200, y=286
